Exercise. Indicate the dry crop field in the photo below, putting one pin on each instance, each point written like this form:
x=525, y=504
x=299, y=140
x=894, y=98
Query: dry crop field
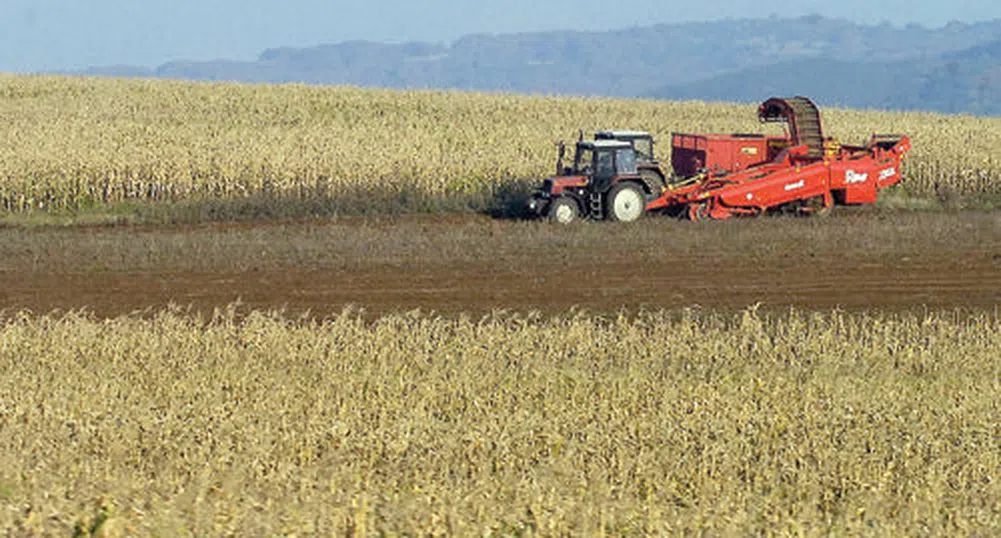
x=399, y=369
x=74, y=142
x=848, y=425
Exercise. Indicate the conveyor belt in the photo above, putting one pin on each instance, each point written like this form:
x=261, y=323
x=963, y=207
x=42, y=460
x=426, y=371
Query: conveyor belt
x=803, y=118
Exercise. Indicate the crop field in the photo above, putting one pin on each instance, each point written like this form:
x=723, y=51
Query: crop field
x=835, y=424
x=71, y=143
x=306, y=311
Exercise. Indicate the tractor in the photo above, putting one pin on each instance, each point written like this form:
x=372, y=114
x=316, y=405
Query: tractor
x=604, y=181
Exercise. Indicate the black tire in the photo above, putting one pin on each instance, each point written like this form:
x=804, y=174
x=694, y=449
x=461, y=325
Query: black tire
x=824, y=211
x=654, y=183
x=699, y=212
x=563, y=210
x=817, y=207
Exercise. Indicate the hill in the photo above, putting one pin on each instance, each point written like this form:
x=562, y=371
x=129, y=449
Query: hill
x=955, y=68
x=967, y=81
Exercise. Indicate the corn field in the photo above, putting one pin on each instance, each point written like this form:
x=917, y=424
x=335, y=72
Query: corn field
x=75, y=142
x=510, y=425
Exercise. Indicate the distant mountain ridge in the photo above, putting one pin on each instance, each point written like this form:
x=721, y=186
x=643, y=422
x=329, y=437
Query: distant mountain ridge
x=956, y=68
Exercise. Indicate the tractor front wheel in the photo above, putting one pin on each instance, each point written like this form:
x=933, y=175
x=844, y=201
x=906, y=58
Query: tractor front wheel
x=626, y=202
x=563, y=210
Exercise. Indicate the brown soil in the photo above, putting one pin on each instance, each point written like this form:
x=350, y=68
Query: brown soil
x=472, y=264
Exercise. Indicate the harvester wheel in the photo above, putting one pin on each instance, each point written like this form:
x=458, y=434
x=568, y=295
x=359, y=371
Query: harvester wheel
x=698, y=212
x=563, y=210
x=626, y=202
x=818, y=207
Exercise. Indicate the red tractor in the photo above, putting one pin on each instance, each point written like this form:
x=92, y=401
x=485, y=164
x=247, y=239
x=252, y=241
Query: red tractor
x=722, y=176
x=604, y=181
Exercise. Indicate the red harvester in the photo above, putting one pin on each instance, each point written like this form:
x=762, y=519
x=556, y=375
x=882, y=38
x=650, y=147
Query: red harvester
x=721, y=176
x=804, y=171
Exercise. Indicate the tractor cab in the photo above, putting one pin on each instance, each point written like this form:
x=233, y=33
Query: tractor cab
x=641, y=141
x=653, y=176
x=598, y=159
x=601, y=161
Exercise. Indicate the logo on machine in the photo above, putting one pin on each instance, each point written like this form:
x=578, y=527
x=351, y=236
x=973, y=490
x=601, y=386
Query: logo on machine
x=887, y=174
x=852, y=177
x=798, y=185
x=749, y=150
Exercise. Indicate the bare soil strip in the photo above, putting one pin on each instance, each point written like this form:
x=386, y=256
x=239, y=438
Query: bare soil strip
x=475, y=265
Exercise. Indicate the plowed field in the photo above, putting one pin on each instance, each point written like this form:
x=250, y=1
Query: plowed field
x=855, y=260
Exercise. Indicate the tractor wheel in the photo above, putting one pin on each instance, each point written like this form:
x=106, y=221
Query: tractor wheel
x=654, y=183
x=563, y=210
x=626, y=202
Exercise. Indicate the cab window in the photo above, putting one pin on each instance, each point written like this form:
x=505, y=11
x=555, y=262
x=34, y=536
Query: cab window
x=644, y=147
x=605, y=166
x=625, y=162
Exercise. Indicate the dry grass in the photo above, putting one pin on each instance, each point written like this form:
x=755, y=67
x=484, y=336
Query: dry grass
x=413, y=242
x=808, y=425
x=71, y=143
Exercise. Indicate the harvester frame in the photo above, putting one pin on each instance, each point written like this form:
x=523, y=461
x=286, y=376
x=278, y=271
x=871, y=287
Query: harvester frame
x=806, y=172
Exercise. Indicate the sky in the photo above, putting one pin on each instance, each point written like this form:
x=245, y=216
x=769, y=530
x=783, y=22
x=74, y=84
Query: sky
x=51, y=35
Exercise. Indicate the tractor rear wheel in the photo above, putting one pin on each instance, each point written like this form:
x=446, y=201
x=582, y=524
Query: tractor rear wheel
x=654, y=183
x=563, y=210
x=626, y=202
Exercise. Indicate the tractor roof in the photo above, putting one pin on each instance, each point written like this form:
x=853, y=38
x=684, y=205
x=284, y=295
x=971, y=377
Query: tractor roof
x=604, y=144
x=621, y=134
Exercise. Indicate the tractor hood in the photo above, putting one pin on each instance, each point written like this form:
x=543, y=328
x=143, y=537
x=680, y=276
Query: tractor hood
x=555, y=186
x=552, y=189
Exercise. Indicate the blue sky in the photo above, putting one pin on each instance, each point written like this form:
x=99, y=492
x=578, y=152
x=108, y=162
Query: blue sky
x=39, y=35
